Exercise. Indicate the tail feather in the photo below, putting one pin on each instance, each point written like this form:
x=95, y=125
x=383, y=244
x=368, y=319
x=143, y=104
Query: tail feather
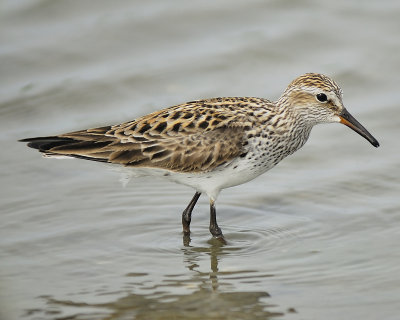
x=56, y=146
x=44, y=144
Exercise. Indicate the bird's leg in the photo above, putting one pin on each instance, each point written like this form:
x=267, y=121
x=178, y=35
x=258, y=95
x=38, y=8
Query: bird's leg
x=214, y=229
x=187, y=213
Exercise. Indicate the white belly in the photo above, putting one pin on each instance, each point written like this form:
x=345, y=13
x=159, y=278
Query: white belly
x=212, y=182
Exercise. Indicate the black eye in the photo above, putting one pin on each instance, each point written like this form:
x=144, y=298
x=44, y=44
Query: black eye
x=322, y=97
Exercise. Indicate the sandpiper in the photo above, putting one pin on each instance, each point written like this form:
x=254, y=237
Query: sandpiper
x=211, y=144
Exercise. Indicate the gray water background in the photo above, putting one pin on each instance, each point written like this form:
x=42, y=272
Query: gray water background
x=317, y=237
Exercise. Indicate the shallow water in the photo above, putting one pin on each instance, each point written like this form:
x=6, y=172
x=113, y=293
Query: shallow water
x=315, y=238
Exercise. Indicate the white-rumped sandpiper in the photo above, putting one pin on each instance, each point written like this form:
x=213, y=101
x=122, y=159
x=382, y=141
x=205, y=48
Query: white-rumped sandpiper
x=211, y=144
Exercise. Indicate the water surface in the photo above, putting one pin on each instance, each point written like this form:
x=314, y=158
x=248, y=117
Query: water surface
x=315, y=238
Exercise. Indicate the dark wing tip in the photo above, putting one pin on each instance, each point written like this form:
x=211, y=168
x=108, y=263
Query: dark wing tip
x=51, y=146
x=44, y=144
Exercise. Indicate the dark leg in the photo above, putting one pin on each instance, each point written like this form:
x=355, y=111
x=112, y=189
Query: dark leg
x=214, y=229
x=187, y=213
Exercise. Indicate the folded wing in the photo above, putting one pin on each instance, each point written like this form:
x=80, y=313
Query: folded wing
x=180, y=138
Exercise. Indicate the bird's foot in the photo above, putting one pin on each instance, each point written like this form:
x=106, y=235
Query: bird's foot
x=221, y=239
x=186, y=239
x=217, y=233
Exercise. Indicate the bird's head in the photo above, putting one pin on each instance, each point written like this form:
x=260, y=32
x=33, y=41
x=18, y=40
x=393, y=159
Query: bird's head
x=316, y=98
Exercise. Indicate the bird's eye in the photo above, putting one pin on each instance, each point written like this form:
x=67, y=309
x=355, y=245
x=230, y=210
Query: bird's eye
x=321, y=97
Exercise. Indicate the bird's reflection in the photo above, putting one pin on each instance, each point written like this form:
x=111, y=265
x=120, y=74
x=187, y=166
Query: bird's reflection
x=213, y=294
x=214, y=250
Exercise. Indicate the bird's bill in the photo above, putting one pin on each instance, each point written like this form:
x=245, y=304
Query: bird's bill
x=347, y=119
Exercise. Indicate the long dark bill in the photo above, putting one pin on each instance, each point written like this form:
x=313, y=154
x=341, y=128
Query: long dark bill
x=347, y=119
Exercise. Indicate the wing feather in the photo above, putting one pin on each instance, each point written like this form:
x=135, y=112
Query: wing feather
x=197, y=136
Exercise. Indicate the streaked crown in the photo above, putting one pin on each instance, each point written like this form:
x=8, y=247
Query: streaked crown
x=316, y=80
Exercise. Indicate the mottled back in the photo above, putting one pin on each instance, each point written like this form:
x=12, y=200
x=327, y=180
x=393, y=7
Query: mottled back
x=196, y=136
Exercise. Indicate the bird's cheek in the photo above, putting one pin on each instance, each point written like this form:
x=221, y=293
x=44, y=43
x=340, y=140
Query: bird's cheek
x=335, y=118
x=329, y=117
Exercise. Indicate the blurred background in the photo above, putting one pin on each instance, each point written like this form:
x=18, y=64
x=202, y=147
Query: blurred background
x=315, y=238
